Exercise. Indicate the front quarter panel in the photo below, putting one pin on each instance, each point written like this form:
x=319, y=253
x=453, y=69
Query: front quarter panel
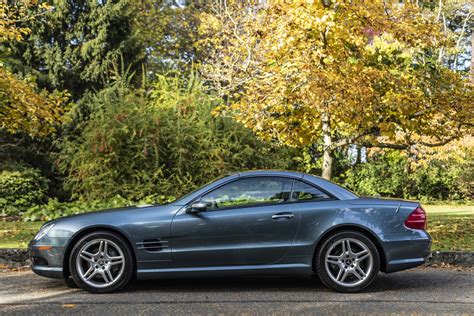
x=135, y=224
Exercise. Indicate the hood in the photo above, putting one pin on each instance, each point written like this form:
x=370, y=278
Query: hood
x=117, y=210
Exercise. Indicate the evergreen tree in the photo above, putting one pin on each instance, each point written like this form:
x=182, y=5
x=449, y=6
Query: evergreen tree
x=171, y=32
x=73, y=46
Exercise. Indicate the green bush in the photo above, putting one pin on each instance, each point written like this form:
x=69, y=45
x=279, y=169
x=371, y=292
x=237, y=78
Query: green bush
x=385, y=174
x=105, y=153
x=165, y=143
x=20, y=188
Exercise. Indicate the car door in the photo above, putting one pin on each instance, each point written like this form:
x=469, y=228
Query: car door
x=247, y=222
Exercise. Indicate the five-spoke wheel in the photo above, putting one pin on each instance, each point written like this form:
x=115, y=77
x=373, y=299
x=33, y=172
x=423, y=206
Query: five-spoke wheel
x=347, y=261
x=101, y=262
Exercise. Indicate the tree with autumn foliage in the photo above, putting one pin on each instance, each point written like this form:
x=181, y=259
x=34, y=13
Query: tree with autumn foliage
x=22, y=108
x=336, y=73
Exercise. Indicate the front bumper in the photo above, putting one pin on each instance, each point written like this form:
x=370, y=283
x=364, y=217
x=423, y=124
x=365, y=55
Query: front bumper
x=48, y=272
x=47, y=263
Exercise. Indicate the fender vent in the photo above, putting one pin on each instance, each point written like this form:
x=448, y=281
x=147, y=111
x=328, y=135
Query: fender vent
x=153, y=245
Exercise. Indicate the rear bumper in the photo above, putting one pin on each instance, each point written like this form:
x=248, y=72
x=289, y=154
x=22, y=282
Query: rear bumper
x=406, y=253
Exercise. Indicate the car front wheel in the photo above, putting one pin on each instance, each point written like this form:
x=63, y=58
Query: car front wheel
x=347, y=261
x=101, y=262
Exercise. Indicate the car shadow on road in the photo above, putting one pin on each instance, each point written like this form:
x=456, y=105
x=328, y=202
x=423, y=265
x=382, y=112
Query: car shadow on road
x=228, y=284
x=408, y=280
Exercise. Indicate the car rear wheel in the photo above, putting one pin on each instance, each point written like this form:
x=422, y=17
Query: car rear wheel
x=347, y=261
x=101, y=262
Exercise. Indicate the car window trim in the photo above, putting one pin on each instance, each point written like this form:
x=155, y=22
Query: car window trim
x=290, y=201
x=249, y=205
x=331, y=196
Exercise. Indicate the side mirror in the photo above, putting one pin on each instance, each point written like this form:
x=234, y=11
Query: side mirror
x=197, y=207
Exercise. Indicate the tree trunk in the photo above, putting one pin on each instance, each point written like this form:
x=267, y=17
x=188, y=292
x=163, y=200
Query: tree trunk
x=407, y=187
x=327, y=151
x=327, y=164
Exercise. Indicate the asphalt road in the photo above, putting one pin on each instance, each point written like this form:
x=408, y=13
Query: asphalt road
x=423, y=290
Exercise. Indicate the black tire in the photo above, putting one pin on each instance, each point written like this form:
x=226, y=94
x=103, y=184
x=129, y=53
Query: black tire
x=128, y=268
x=70, y=283
x=322, y=268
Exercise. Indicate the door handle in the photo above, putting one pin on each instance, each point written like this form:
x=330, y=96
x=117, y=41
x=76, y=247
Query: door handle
x=283, y=216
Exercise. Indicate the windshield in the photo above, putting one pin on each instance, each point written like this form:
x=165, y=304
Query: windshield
x=196, y=189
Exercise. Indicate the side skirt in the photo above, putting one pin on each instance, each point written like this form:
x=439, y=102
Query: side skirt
x=271, y=269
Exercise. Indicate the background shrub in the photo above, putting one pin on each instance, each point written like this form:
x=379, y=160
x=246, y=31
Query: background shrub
x=386, y=174
x=163, y=143
x=20, y=188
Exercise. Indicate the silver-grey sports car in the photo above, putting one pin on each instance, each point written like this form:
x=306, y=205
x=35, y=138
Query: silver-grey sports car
x=258, y=222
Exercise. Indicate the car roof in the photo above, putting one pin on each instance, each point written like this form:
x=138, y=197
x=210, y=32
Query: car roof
x=334, y=189
x=279, y=173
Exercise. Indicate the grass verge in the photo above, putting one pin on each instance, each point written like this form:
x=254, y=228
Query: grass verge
x=451, y=227
x=17, y=234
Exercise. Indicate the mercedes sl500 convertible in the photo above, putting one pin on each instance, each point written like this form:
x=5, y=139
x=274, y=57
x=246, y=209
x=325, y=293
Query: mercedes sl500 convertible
x=250, y=223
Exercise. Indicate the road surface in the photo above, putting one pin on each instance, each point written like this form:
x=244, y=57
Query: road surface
x=422, y=290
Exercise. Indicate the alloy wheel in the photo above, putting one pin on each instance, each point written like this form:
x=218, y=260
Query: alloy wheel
x=348, y=262
x=100, y=263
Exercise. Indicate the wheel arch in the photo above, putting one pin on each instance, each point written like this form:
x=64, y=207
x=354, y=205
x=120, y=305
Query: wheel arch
x=86, y=230
x=354, y=227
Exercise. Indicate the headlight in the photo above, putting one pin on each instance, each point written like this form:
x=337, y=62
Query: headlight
x=43, y=231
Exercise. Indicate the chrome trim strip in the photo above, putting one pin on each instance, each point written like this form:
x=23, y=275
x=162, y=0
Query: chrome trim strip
x=151, y=242
x=46, y=268
x=411, y=260
x=228, y=268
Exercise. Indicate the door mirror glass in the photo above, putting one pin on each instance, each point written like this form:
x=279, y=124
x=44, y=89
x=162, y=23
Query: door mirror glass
x=197, y=207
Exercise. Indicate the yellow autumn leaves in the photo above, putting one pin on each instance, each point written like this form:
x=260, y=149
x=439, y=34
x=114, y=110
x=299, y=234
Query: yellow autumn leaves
x=22, y=108
x=372, y=67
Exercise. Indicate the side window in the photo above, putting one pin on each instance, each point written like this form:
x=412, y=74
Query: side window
x=249, y=191
x=306, y=192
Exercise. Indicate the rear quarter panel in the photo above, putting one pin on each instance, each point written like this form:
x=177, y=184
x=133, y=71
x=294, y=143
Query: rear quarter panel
x=383, y=219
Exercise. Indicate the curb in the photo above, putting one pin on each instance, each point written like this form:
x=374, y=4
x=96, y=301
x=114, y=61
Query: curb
x=15, y=258
x=453, y=258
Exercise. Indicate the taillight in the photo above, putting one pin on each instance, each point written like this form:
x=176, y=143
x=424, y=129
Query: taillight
x=417, y=219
